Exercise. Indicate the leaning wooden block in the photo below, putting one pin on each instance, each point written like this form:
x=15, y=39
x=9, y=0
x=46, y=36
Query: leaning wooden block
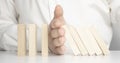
x=21, y=40
x=100, y=41
x=93, y=42
x=86, y=41
x=44, y=40
x=71, y=41
x=32, y=39
x=78, y=40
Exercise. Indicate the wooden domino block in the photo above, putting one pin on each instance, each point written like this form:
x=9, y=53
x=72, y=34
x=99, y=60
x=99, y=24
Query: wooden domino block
x=86, y=41
x=100, y=41
x=32, y=38
x=44, y=40
x=78, y=41
x=93, y=42
x=71, y=41
x=21, y=40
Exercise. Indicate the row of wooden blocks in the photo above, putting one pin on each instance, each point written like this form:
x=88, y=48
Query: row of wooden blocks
x=32, y=39
x=85, y=41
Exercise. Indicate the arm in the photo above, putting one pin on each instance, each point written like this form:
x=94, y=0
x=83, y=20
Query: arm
x=115, y=18
x=56, y=32
x=8, y=27
x=115, y=10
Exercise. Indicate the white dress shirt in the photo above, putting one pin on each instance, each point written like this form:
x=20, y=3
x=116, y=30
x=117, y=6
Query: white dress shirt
x=76, y=12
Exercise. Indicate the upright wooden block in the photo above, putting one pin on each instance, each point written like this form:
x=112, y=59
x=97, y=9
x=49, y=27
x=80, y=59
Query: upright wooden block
x=44, y=40
x=21, y=40
x=99, y=41
x=78, y=40
x=32, y=38
x=71, y=41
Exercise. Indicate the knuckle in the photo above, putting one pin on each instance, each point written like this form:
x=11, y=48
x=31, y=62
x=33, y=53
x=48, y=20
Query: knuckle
x=57, y=43
x=57, y=23
x=61, y=31
x=54, y=33
x=60, y=50
x=62, y=40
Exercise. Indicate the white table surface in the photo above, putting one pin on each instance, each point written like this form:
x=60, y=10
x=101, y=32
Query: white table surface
x=11, y=57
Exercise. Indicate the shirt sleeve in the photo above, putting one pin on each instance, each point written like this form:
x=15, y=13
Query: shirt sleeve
x=8, y=25
x=115, y=11
x=115, y=18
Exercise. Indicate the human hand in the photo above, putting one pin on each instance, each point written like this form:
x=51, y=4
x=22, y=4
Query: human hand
x=56, y=32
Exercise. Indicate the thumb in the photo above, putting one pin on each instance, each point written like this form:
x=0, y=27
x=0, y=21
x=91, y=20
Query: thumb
x=58, y=11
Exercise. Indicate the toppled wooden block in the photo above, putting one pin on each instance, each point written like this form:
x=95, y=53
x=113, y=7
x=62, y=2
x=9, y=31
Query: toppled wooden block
x=71, y=41
x=78, y=41
x=93, y=43
x=86, y=40
x=99, y=41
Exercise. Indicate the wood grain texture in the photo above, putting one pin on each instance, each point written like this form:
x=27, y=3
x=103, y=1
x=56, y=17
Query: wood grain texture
x=32, y=38
x=93, y=43
x=44, y=40
x=21, y=40
x=86, y=40
x=78, y=40
x=99, y=41
x=71, y=41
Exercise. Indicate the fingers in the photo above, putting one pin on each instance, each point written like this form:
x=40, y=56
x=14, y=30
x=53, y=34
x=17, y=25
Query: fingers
x=58, y=19
x=58, y=41
x=55, y=33
x=60, y=50
x=58, y=11
x=57, y=46
x=57, y=36
x=57, y=22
